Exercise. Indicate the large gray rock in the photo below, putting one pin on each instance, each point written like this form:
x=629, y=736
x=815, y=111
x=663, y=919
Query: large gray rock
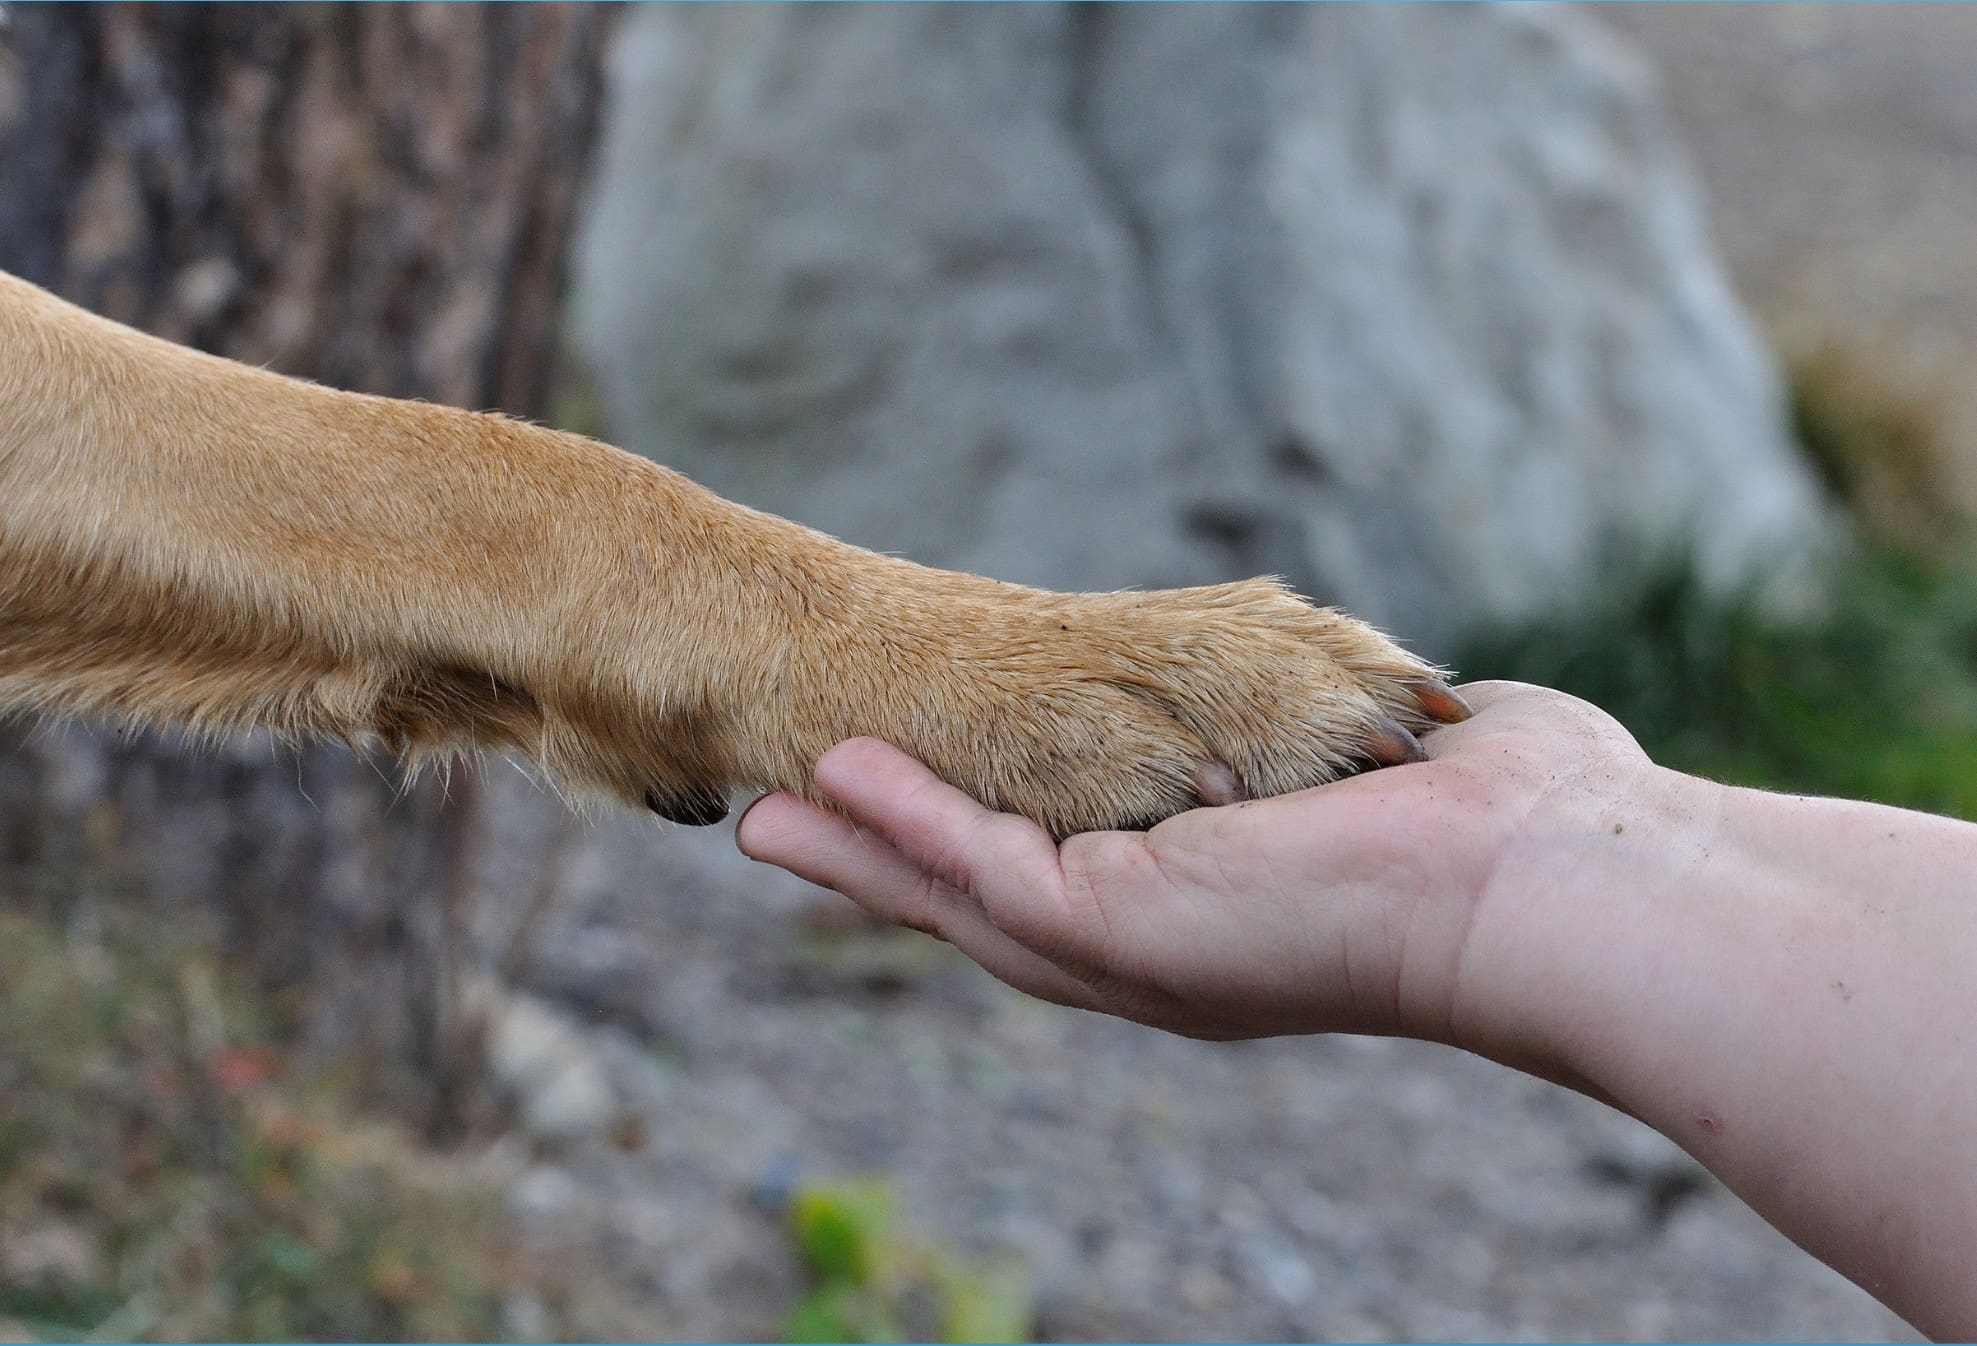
x=1413, y=305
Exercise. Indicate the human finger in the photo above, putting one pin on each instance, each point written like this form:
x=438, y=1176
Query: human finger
x=828, y=849
x=936, y=827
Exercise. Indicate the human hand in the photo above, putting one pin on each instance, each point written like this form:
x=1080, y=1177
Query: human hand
x=1779, y=984
x=1361, y=906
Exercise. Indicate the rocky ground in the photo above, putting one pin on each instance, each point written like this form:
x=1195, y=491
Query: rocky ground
x=1156, y=1188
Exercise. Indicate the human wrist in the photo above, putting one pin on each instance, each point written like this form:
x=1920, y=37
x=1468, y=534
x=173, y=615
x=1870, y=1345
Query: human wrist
x=1567, y=925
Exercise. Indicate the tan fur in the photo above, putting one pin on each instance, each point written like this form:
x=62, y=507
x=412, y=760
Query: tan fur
x=189, y=540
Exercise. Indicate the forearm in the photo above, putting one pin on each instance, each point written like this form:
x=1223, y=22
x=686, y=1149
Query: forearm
x=1783, y=986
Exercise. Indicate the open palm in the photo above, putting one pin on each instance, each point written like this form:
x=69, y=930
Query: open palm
x=1351, y=907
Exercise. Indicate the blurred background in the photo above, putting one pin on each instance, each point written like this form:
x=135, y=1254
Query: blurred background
x=1621, y=349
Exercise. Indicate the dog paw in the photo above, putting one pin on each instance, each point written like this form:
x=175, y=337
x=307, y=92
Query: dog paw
x=1094, y=711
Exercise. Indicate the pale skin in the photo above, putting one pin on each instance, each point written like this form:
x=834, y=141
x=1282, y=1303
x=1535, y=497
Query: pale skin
x=1780, y=984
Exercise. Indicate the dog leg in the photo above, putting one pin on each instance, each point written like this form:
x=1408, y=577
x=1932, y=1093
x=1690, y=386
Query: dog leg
x=185, y=539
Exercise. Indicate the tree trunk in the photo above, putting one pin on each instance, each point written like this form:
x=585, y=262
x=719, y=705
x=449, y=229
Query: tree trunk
x=378, y=197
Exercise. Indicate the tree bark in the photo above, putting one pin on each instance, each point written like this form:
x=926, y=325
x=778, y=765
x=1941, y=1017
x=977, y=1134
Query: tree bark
x=379, y=197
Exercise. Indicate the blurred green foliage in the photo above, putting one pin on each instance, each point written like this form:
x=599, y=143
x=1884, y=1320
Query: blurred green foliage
x=1873, y=697
x=163, y=1176
x=871, y=1283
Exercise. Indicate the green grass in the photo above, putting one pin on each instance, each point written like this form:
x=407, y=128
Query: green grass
x=1874, y=698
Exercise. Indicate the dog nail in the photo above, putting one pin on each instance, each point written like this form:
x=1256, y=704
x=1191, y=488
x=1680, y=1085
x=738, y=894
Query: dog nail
x=1215, y=785
x=697, y=808
x=1440, y=702
x=1391, y=745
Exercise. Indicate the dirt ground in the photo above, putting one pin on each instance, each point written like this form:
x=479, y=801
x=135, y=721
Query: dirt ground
x=1169, y=1190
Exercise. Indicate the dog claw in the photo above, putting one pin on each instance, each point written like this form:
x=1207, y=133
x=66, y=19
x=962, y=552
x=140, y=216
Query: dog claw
x=697, y=808
x=1215, y=785
x=1391, y=745
x=1438, y=701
